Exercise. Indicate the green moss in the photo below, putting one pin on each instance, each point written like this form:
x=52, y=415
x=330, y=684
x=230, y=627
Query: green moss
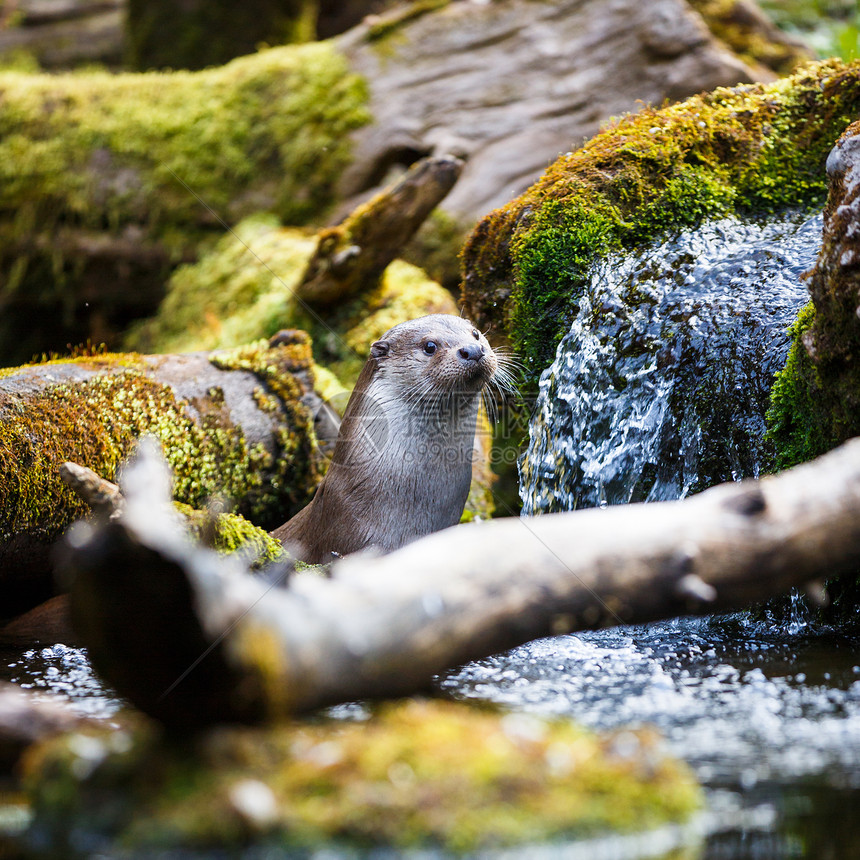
x=747, y=150
x=100, y=406
x=232, y=533
x=148, y=167
x=243, y=289
x=815, y=404
x=163, y=148
x=797, y=414
x=415, y=773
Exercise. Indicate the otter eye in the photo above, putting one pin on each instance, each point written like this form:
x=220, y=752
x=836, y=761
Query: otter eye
x=475, y=334
x=430, y=347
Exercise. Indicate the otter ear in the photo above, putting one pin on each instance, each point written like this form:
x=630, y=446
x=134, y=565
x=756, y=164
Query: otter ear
x=379, y=349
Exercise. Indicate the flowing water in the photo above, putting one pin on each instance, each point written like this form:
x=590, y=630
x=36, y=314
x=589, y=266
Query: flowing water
x=652, y=399
x=662, y=383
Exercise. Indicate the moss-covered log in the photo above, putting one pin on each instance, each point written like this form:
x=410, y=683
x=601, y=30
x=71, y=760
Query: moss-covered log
x=107, y=181
x=747, y=150
x=237, y=424
x=198, y=33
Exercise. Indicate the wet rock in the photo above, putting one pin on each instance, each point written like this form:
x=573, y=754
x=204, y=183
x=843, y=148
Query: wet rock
x=816, y=401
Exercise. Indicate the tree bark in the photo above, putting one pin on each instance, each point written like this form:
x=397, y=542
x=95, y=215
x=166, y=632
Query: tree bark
x=351, y=257
x=385, y=626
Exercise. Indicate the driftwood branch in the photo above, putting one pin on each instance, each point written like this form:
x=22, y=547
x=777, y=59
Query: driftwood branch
x=351, y=257
x=103, y=496
x=230, y=646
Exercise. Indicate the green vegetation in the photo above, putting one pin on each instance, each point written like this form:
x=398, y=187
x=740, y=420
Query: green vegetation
x=115, y=179
x=160, y=149
x=831, y=27
x=231, y=533
x=756, y=41
x=815, y=403
x=747, y=150
x=415, y=773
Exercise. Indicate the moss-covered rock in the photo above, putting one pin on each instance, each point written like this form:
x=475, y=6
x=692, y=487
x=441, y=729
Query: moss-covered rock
x=815, y=402
x=415, y=773
x=233, y=424
x=108, y=181
x=231, y=533
x=745, y=150
x=752, y=35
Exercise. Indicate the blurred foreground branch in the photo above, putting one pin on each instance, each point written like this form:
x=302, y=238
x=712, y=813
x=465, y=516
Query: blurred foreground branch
x=191, y=639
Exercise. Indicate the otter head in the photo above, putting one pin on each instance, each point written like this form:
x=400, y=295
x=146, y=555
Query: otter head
x=433, y=356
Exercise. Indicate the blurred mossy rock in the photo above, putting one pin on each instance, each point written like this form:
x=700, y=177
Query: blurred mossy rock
x=749, y=150
x=747, y=30
x=411, y=775
x=815, y=403
x=107, y=182
x=508, y=86
x=236, y=424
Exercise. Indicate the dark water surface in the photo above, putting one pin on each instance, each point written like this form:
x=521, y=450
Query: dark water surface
x=767, y=715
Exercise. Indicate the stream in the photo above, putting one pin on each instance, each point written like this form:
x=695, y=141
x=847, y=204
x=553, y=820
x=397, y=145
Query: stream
x=659, y=390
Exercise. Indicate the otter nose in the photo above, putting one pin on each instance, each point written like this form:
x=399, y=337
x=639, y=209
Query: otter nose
x=472, y=352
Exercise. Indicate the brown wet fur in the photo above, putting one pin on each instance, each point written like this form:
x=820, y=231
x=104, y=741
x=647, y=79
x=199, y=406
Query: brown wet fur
x=402, y=464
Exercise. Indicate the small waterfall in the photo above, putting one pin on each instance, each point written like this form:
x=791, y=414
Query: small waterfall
x=661, y=386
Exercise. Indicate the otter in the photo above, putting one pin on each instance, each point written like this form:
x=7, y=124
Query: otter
x=402, y=464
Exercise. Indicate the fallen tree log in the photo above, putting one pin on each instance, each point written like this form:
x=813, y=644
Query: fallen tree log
x=234, y=423
x=190, y=640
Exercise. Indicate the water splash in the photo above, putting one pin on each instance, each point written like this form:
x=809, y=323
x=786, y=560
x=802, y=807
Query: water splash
x=60, y=672
x=661, y=386
x=739, y=700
